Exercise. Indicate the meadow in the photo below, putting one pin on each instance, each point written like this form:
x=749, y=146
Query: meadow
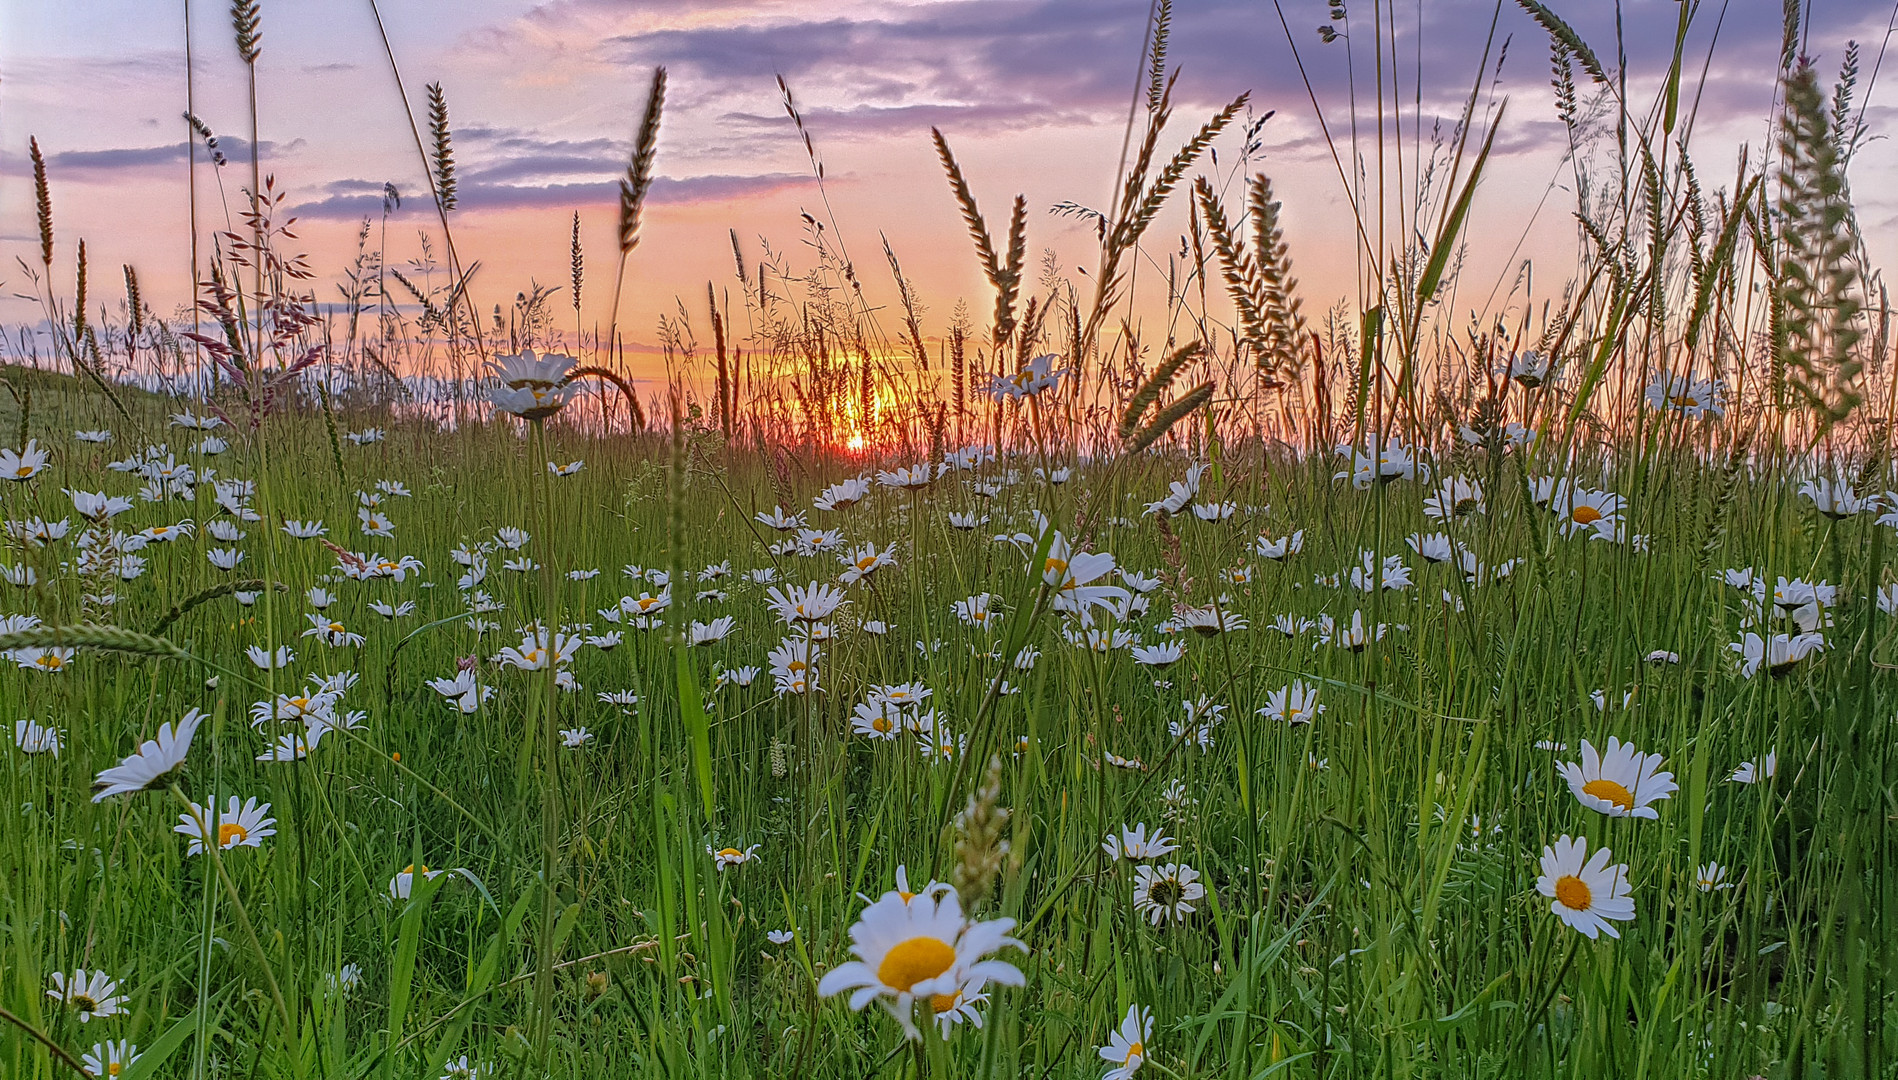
x=396, y=693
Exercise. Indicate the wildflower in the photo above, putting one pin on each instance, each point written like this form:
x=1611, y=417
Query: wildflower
x=1712, y=878
x=109, y=1058
x=842, y=494
x=1281, y=549
x=1162, y=655
x=1294, y=703
x=977, y=612
x=966, y=522
x=1126, y=1047
x=726, y=857
x=778, y=519
x=1134, y=843
x=1209, y=621
x=1833, y=500
x=152, y=764
x=532, y=388
x=461, y=690
x=34, y=738
x=568, y=469
x=1692, y=398
x=864, y=561
x=1529, y=368
x=1029, y=380
x=96, y=507
x=91, y=994
x=1779, y=654
x=1754, y=772
x=813, y=603
x=224, y=558
x=921, y=947
x=401, y=885
x=240, y=825
x=23, y=464
x=330, y=632
x=48, y=660
x=463, y=1069
x=1587, y=892
x=716, y=630
x=1374, y=466
x=1166, y=893
x=908, y=478
x=1621, y=782
x=99, y=435
x=1069, y=574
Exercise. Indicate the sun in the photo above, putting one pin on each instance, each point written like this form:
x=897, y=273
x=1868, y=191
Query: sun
x=855, y=442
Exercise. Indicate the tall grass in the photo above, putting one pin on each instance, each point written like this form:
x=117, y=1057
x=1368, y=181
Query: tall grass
x=1371, y=904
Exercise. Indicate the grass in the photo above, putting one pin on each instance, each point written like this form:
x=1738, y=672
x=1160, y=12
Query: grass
x=1372, y=916
x=454, y=893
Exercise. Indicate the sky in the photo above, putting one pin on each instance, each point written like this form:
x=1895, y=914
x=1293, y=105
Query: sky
x=1034, y=96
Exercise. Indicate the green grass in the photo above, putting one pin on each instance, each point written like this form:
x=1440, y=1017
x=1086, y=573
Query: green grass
x=1358, y=922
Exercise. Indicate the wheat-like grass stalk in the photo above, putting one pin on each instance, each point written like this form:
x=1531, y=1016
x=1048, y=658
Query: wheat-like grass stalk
x=134, y=304
x=1571, y=41
x=1171, y=414
x=205, y=596
x=1816, y=275
x=633, y=188
x=442, y=158
x=93, y=636
x=980, y=848
x=246, y=20
x=42, y=201
x=1155, y=385
x=1278, y=357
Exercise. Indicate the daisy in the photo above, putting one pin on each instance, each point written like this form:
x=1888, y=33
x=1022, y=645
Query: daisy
x=91, y=994
x=97, y=507
x=864, y=561
x=1126, y=1047
x=365, y=436
x=463, y=1069
x=100, y=435
x=1833, y=500
x=1281, y=549
x=240, y=825
x=908, y=478
x=392, y=611
x=22, y=464
x=976, y=611
x=266, y=660
x=461, y=690
x=1166, y=893
x=1295, y=703
x=1134, y=843
x=568, y=469
x=1690, y=397
x=1621, y=782
x=716, y=630
x=152, y=764
x=727, y=857
x=1751, y=772
x=292, y=745
x=1137, y=581
x=1029, y=380
x=34, y=738
x=813, y=603
x=967, y=522
x=1394, y=461
x=109, y=1058
x=842, y=494
x=1431, y=547
x=777, y=518
x=532, y=388
x=920, y=947
x=812, y=541
x=48, y=660
x=330, y=632
x=1529, y=368
x=1779, y=654
x=1711, y=878
x=1587, y=892
x=224, y=558
x=1162, y=655
x=1208, y=621
x=1069, y=574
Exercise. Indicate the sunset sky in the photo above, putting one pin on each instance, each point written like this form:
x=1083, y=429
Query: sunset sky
x=544, y=99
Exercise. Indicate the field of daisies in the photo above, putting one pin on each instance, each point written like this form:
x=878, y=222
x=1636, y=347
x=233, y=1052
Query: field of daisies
x=512, y=749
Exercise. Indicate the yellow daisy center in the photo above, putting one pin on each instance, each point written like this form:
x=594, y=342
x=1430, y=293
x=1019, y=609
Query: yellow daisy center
x=230, y=832
x=866, y=562
x=1684, y=401
x=24, y=470
x=1586, y=515
x=912, y=961
x=49, y=662
x=731, y=853
x=1609, y=791
x=1056, y=566
x=1137, y=1050
x=881, y=725
x=114, y=1068
x=84, y=1003
x=942, y=1003
x=1573, y=893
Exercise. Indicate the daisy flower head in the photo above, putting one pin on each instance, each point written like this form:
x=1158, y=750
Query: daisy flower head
x=1126, y=1047
x=22, y=464
x=921, y=948
x=1294, y=703
x=864, y=561
x=531, y=387
x=244, y=824
x=1281, y=549
x=1758, y=771
x=813, y=603
x=403, y=883
x=109, y=1059
x=90, y=993
x=842, y=494
x=1166, y=893
x=1711, y=878
x=1029, y=380
x=1586, y=892
x=725, y=858
x=1134, y=843
x=715, y=631
x=1622, y=782
x=152, y=764
x=1162, y=655
x=34, y=738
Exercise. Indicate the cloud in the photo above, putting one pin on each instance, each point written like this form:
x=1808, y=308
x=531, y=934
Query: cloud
x=356, y=198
